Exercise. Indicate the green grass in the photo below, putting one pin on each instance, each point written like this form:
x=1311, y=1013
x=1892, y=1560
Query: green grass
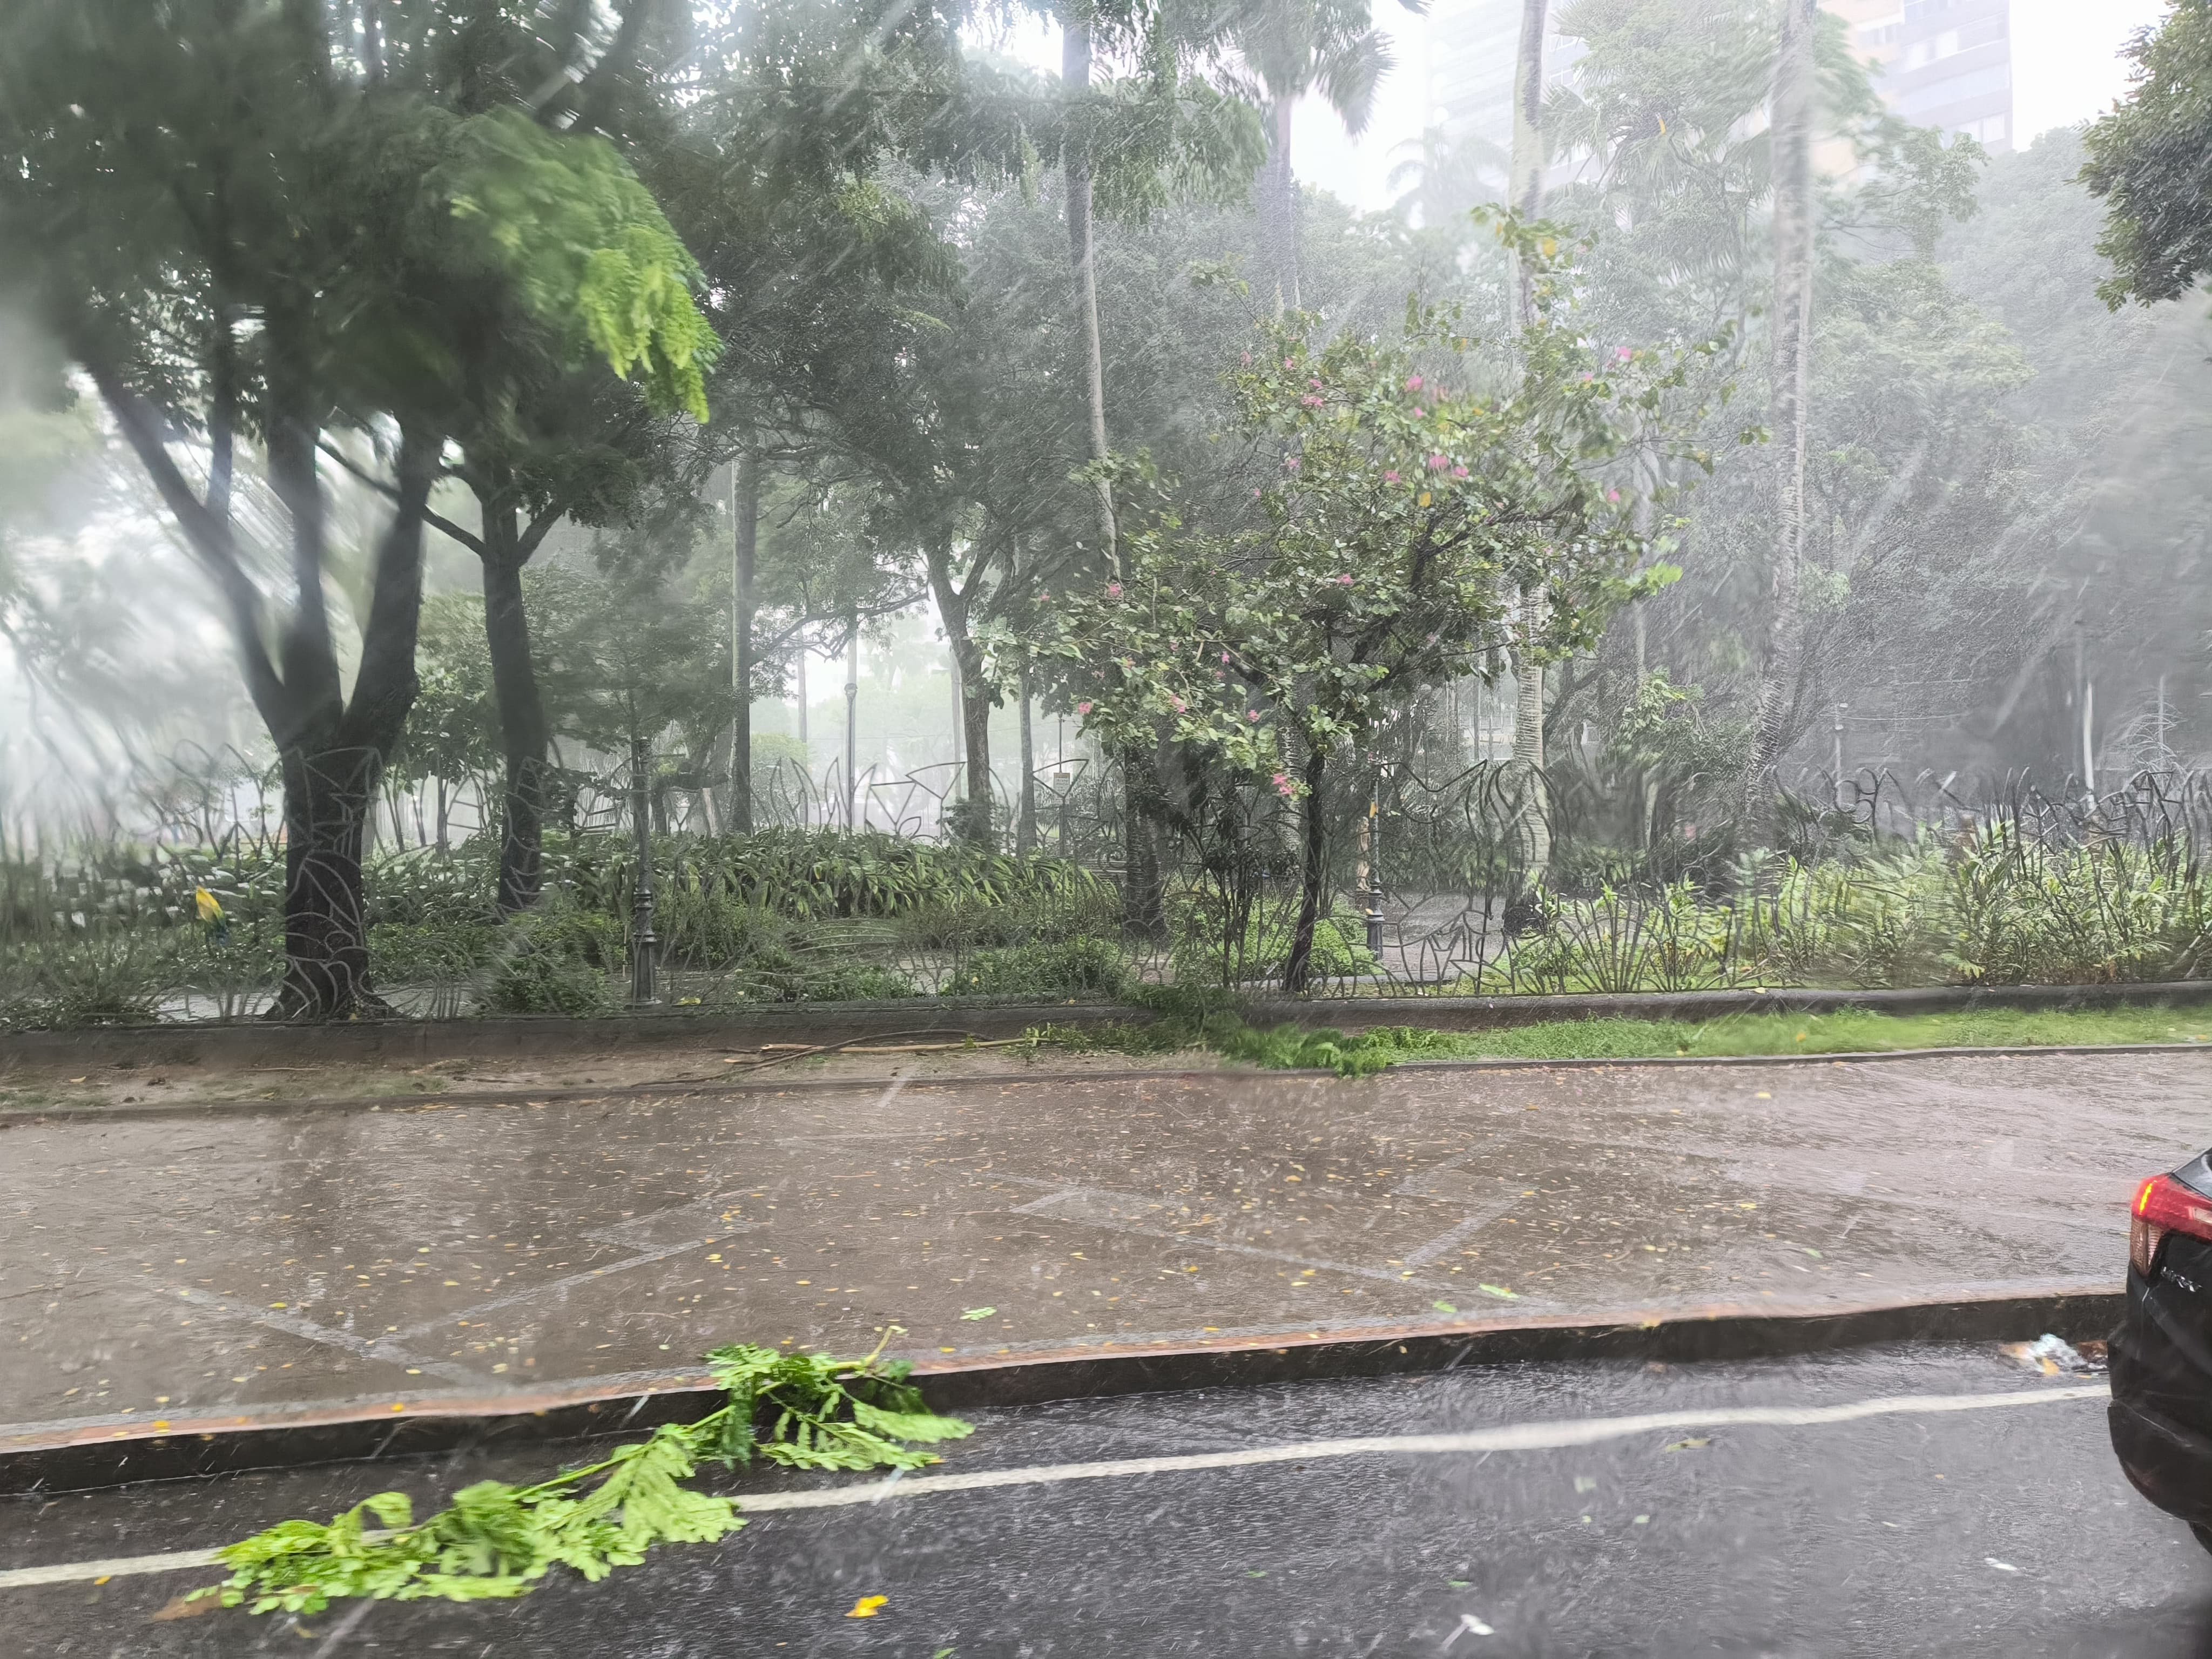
x=1847, y=1032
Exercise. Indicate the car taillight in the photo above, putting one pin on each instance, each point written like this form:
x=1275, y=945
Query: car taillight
x=2164, y=1206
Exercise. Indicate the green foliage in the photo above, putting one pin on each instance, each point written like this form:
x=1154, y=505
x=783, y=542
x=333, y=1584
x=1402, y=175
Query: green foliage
x=2148, y=157
x=1991, y=909
x=820, y=875
x=558, y=958
x=496, y=1540
x=1401, y=506
x=1204, y=950
x=589, y=248
x=810, y=1412
x=1084, y=966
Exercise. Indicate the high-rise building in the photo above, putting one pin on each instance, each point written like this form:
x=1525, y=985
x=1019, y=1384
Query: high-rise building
x=1473, y=46
x=1942, y=64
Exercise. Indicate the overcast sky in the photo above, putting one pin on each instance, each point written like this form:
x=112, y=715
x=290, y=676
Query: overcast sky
x=2066, y=68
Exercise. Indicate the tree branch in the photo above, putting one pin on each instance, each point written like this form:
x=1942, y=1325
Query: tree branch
x=209, y=540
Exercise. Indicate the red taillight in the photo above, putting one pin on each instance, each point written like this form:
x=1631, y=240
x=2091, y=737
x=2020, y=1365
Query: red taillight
x=2164, y=1206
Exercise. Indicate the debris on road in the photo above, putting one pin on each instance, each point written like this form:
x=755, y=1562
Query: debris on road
x=2054, y=1355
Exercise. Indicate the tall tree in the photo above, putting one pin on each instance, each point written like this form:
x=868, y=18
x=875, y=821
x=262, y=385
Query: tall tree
x=1525, y=188
x=1291, y=48
x=242, y=239
x=1076, y=50
x=2148, y=159
x=1392, y=519
x=1780, y=636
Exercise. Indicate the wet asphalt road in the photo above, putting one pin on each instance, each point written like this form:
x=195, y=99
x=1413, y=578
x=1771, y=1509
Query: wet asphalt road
x=2005, y=1530
x=190, y=1268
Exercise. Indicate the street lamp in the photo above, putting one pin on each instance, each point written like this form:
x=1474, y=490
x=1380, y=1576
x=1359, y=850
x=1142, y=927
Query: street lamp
x=641, y=942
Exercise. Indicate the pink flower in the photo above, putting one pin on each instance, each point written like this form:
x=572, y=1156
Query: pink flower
x=1613, y=495
x=1248, y=360
x=1180, y=705
x=1588, y=377
x=1390, y=476
x=1310, y=402
x=1436, y=462
x=1413, y=383
x=1113, y=590
x=1282, y=786
x=1291, y=462
x=1218, y=675
x=1459, y=473
x=1289, y=363
x=1252, y=714
x=1224, y=656
x=1420, y=413
x=1343, y=581
x=1255, y=495
x=1082, y=709
x=1316, y=385
x=1622, y=354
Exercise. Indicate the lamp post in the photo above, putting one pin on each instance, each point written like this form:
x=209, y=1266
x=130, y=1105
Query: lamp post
x=641, y=942
x=1842, y=709
x=852, y=718
x=1371, y=852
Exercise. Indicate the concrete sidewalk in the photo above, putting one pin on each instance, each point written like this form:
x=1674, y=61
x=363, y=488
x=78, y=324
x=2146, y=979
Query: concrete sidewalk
x=178, y=1274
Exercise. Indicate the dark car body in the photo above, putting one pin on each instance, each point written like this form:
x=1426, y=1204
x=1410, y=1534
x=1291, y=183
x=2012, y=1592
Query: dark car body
x=2161, y=1370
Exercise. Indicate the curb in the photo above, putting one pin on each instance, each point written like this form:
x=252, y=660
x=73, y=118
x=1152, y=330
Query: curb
x=538, y=1035
x=711, y=1086
x=196, y=1448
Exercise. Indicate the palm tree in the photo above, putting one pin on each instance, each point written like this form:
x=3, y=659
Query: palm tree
x=1289, y=48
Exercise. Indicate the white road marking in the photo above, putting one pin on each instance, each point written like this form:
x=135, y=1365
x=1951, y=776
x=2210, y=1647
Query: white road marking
x=1552, y=1435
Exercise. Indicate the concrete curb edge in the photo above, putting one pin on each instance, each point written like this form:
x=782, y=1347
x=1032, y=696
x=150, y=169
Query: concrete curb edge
x=194, y=1448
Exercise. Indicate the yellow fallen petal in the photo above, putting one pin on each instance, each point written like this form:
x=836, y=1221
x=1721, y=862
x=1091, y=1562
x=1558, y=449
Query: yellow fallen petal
x=868, y=1607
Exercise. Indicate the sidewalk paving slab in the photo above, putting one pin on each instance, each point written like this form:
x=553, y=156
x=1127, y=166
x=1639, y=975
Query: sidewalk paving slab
x=171, y=1270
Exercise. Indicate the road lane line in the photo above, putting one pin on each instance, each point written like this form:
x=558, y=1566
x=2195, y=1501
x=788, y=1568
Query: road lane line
x=1554, y=1435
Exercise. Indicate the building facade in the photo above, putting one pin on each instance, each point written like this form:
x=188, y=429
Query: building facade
x=1942, y=64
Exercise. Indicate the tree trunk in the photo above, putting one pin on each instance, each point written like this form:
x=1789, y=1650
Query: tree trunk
x=1528, y=195
x=1527, y=161
x=327, y=794
x=1075, y=82
x=1529, y=749
x=1279, y=206
x=976, y=821
x=1781, y=635
x=744, y=541
x=1313, y=869
x=331, y=771
x=522, y=729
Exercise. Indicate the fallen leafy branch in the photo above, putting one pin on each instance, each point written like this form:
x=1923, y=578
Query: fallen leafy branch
x=495, y=1540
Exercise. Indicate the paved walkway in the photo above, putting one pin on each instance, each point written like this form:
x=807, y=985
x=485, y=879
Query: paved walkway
x=180, y=1266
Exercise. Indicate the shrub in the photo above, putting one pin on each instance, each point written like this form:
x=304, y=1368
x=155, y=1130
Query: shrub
x=1196, y=941
x=1078, y=967
x=558, y=959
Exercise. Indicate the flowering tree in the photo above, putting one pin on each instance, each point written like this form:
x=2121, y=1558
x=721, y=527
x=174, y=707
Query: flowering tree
x=1403, y=495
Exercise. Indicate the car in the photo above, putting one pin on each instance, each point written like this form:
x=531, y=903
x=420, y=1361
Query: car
x=2162, y=1356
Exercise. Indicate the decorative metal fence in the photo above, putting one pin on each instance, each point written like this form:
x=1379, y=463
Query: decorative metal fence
x=1436, y=875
